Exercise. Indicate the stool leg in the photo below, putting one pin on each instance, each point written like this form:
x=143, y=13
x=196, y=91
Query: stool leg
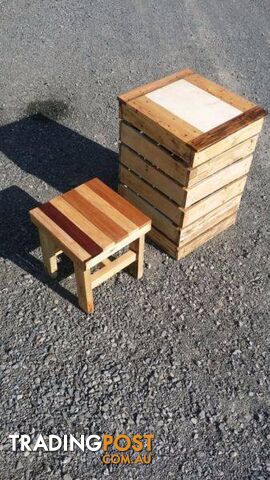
x=48, y=253
x=84, y=289
x=136, y=268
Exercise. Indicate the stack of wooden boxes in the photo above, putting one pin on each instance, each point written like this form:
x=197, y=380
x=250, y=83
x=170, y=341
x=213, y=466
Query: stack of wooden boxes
x=186, y=147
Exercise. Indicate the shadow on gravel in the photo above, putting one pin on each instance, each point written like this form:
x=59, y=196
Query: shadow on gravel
x=61, y=158
x=57, y=155
x=18, y=237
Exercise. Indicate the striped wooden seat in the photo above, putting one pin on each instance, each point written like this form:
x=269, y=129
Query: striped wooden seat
x=89, y=224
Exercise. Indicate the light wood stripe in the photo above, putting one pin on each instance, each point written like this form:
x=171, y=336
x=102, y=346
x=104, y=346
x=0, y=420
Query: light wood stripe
x=101, y=221
x=118, y=202
x=81, y=222
x=106, y=208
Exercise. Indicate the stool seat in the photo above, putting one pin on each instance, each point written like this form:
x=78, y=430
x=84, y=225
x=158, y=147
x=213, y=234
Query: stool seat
x=89, y=224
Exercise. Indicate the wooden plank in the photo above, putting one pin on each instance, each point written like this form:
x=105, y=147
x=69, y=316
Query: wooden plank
x=220, y=92
x=209, y=234
x=155, y=177
x=106, y=208
x=165, y=119
x=71, y=229
x=155, y=154
x=223, y=131
x=160, y=135
x=80, y=221
x=121, y=244
x=207, y=221
x=222, y=160
x=218, y=180
x=72, y=249
x=151, y=195
x=149, y=87
x=98, y=218
x=112, y=268
x=163, y=242
x=158, y=219
x=213, y=201
x=118, y=202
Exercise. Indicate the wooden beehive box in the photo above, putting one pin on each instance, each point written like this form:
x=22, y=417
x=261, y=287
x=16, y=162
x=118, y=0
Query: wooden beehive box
x=186, y=147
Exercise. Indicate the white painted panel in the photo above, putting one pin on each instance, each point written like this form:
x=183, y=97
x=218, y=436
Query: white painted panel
x=194, y=105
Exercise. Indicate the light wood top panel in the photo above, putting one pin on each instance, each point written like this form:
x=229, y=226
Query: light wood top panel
x=194, y=105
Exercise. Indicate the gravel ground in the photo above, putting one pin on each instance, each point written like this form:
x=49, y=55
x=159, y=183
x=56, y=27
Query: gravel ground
x=182, y=353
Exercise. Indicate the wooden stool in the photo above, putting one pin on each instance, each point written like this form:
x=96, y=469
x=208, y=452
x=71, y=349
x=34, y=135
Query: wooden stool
x=89, y=224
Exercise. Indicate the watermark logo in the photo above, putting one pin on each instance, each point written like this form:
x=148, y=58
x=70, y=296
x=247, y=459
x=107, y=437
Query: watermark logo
x=119, y=449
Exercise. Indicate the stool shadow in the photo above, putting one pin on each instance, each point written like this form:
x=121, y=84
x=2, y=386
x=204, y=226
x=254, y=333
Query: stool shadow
x=19, y=237
x=56, y=154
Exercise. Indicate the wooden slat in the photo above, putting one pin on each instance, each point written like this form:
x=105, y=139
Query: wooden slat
x=149, y=87
x=160, y=135
x=209, y=203
x=80, y=221
x=227, y=143
x=68, y=245
x=165, y=119
x=155, y=154
x=158, y=219
x=155, y=177
x=207, y=221
x=111, y=269
x=226, y=158
x=106, y=208
x=218, y=180
x=209, y=234
x=71, y=229
x=118, y=202
x=220, y=92
x=100, y=220
x=222, y=131
x=161, y=240
x=151, y=195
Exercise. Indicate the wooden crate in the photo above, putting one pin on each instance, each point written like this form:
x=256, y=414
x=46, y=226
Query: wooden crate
x=186, y=147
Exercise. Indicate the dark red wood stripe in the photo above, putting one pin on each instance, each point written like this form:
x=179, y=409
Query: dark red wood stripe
x=118, y=202
x=98, y=218
x=71, y=229
x=231, y=126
